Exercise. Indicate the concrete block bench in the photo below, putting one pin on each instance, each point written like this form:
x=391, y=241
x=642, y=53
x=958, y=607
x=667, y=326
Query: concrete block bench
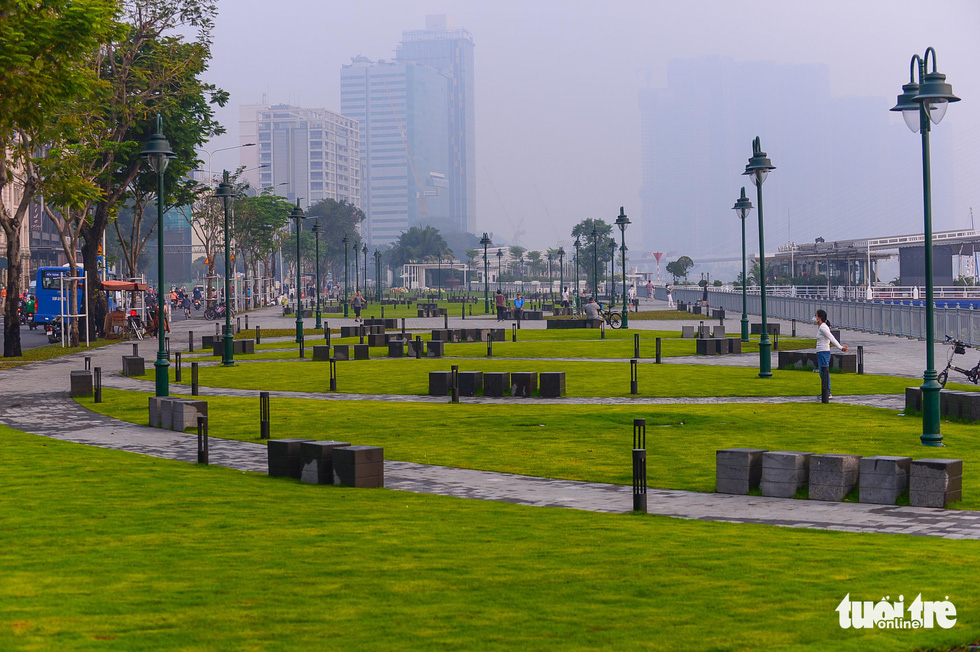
x=843, y=362
x=552, y=384
x=317, y=460
x=440, y=383
x=445, y=335
x=738, y=470
x=756, y=329
x=321, y=352
x=341, y=351
x=208, y=341
x=396, y=348
x=416, y=347
x=81, y=383
x=573, y=323
x=435, y=349
x=523, y=383
x=533, y=315
x=175, y=413
x=718, y=313
x=935, y=482
x=238, y=347
x=356, y=331
x=784, y=473
x=496, y=383
x=359, y=466
x=952, y=403
x=717, y=346
x=383, y=323
x=470, y=382
x=687, y=332
x=361, y=351
x=377, y=339
x=833, y=476
x=285, y=460
x=883, y=479
x=719, y=331
x=133, y=365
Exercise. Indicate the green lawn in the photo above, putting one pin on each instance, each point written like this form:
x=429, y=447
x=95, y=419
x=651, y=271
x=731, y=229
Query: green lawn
x=579, y=442
x=110, y=550
x=583, y=378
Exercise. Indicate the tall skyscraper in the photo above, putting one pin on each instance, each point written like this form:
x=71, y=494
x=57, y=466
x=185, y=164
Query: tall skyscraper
x=405, y=142
x=443, y=46
x=309, y=154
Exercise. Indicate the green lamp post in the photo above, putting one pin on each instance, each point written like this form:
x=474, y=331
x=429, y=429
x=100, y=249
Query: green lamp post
x=377, y=275
x=485, y=241
x=158, y=153
x=578, y=291
x=500, y=255
x=298, y=215
x=622, y=222
x=612, y=272
x=920, y=102
x=316, y=235
x=226, y=193
x=561, y=270
x=345, y=242
x=595, y=264
x=758, y=169
x=364, y=252
x=742, y=207
x=357, y=280
x=551, y=281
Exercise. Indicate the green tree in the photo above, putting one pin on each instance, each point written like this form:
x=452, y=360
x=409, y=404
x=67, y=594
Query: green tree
x=680, y=267
x=516, y=259
x=337, y=219
x=535, y=262
x=45, y=55
x=258, y=221
x=418, y=244
x=599, y=244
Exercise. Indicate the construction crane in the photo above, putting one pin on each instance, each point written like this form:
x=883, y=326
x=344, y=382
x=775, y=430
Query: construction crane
x=517, y=230
x=421, y=194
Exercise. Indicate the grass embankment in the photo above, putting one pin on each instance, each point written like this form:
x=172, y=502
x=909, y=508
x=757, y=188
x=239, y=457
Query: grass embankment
x=579, y=442
x=109, y=550
x=583, y=378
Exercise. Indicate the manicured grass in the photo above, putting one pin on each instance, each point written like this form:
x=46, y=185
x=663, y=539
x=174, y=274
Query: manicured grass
x=579, y=442
x=109, y=550
x=584, y=379
x=55, y=351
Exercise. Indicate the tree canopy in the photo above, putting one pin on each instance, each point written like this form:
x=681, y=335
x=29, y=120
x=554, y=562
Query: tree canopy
x=418, y=244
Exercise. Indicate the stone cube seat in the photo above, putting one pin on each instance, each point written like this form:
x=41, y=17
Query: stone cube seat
x=285, y=460
x=552, y=384
x=359, y=466
x=470, y=382
x=341, y=351
x=81, y=383
x=440, y=383
x=523, y=383
x=833, y=476
x=883, y=478
x=784, y=473
x=317, y=461
x=133, y=365
x=738, y=470
x=496, y=383
x=935, y=482
x=321, y=352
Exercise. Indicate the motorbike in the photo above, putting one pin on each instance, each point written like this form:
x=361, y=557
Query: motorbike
x=53, y=331
x=197, y=304
x=216, y=312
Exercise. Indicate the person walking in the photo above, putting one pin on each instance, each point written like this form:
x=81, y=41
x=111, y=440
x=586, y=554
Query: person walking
x=564, y=298
x=501, y=302
x=670, y=295
x=633, y=300
x=357, y=302
x=518, y=308
x=824, y=339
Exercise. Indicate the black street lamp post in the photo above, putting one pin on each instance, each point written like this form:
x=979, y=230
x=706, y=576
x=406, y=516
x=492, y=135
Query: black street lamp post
x=742, y=207
x=297, y=215
x=920, y=102
x=578, y=293
x=364, y=252
x=561, y=271
x=377, y=275
x=758, y=169
x=346, y=241
x=612, y=272
x=227, y=195
x=595, y=264
x=622, y=222
x=316, y=235
x=485, y=241
x=158, y=153
x=500, y=255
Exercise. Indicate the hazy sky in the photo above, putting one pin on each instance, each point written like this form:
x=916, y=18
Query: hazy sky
x=557, y=118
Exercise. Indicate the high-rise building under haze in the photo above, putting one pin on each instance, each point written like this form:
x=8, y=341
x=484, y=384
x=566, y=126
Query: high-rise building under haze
x=401, y=107
x=305, y=154
x=446, y=47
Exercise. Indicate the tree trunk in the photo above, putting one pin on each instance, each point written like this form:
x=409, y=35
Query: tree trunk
x=98, y=302
x=11, y=321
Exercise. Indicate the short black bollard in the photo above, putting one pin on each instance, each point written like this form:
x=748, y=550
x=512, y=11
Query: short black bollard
x=455, y=387
x=88, y=363
x=513, y=332
x=302, y=347
x=602, y=330
x=258, y=334
x=471, y=310
x=861, y=359
x=193, y=379
x=794, y=327
x=636, y=345
x=825, y=384
x=640, y=465
x=403, y=328
x=238, y=325
x=634, y=379
x=246, y=322
x=489, y=345
x=166, y=345
x=658, y=358
x=136, y=350
x=326, y=335
x=382, y=312
x=775, y=341
x=462, y=309
x=445, y=320
x=721, y=319
x=202, y=440
x=360, y=332
x=264, y=415
x=177, y=367
x=418, y=347
x=98, y=384
x=217, y=332
x=190, y=341
x=333, y=374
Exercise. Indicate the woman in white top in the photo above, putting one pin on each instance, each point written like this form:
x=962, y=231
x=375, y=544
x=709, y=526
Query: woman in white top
x=824, y=339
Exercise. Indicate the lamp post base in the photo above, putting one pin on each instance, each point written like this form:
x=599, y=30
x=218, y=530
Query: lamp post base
x=162, y=374
x=931, y=432
x=765, y=359
x=346, y=313
x=319, y=320
x=299, y=329
x=228, y=347
x=745, y=328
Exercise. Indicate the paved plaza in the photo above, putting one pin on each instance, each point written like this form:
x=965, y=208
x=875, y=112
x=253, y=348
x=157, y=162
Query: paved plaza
x=37, y=401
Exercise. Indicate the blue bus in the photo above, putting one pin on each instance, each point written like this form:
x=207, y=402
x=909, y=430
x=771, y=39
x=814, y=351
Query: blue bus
x=49, y=296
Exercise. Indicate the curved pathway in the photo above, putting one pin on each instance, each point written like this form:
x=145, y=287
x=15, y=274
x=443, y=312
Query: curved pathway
x=37, y=401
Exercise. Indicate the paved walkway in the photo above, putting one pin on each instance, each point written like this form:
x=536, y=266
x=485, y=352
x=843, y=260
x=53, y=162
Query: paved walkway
x=36, y=401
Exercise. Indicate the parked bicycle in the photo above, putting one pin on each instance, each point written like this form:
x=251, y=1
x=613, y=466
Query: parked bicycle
x=217, y=312
x=612, y=318
x=958, y=348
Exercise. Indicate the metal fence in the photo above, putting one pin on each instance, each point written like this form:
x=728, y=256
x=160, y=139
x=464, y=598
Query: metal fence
x=883, y=317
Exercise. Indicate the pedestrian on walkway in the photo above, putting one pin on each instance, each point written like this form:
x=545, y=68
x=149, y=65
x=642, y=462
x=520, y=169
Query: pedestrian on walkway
x=357, y=303
x=518, y=308
x=501, y=305
x=670, y=295
x=633, y=299
x=824, y=339
x=564, y=298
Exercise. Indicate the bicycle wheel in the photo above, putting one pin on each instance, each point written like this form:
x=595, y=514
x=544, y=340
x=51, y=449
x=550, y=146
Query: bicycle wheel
x=943, y=375
x=209, y=314
x=615, y=320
